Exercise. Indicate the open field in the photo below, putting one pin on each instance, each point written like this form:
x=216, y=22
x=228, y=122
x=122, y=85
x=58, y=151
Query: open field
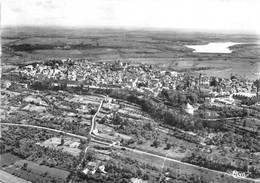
x=8, y=159
x=106, y=131
x=70, y=145
x=84, y=99
x=9, y=178
x=42, y=169
x=164, y=49
x=179, y=148
x=36, y=173
x=183, y=168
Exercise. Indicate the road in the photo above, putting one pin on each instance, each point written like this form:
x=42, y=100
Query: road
x=129, y=149
x=93, y=124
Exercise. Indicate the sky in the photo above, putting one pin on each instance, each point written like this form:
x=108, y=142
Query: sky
x=214, y=15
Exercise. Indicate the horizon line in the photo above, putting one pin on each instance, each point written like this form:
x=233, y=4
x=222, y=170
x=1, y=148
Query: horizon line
x=127, y=28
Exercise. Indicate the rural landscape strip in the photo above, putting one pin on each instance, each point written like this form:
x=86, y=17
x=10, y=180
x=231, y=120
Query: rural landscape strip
x=119, y=147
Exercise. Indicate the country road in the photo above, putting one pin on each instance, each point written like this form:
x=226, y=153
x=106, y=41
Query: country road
x=133, y=150
x=93, y=124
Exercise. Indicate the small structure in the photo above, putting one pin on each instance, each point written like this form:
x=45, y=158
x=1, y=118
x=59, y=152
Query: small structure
x=210, y=99
x=85, y=171
x=102, y=169
x=226, y=101
x=108, y=100
x=28, y=67
x=188, y=109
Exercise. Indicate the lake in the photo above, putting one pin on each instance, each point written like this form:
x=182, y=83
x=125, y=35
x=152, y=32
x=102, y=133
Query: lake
x=221, y=47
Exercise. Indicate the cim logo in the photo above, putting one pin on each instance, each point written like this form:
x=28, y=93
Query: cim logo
x=237, y=174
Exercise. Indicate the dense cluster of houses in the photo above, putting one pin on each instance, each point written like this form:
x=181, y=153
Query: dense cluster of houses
x=141, y=77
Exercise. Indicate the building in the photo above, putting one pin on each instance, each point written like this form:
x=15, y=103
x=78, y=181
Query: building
x=188, y=109
x=226, y=101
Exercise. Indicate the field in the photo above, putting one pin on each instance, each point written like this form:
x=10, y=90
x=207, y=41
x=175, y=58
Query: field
x=106, y=131
x=36, y=173
x=70, y=145
x=164, y=49
x=8, y=178
x=42, y=169
x=87, y=99
x=179, y=148
x=182, y=168
x=8, y=159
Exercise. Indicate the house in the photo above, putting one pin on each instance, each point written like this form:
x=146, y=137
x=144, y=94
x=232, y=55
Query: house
x=209, y=99
x=102, y=169
x=188, y=109
x=67, y=47
x=29, y=67
x=163, y=72
x=174, y=74
x=85, y=171
x=227, y=101
x=92, y=166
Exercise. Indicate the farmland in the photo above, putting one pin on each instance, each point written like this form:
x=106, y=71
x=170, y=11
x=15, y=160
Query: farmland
x=6, y=177
x=8, y=159
x=32, y=161
x=69, y=145
x=39, y=171
x=163, y=49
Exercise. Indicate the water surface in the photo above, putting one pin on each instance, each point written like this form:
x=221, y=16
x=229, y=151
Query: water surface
x=220, y=47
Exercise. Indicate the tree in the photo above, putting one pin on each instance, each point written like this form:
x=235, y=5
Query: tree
x=61, y=142
x=90, y=155
x=82, y=141
x=166, y=140
x=117, y=119
x=168, y=146
x=46, y=174
x=257, y=84
x=214, y=82
x=198, y=124
x=24, y=167
x=244, y=123
x=139, y=172
x=193, y=97
x=2, y=147
x=124, y=180
x=246, y=112
x=156, y=143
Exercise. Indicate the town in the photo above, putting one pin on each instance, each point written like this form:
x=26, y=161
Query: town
x=139, y=77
